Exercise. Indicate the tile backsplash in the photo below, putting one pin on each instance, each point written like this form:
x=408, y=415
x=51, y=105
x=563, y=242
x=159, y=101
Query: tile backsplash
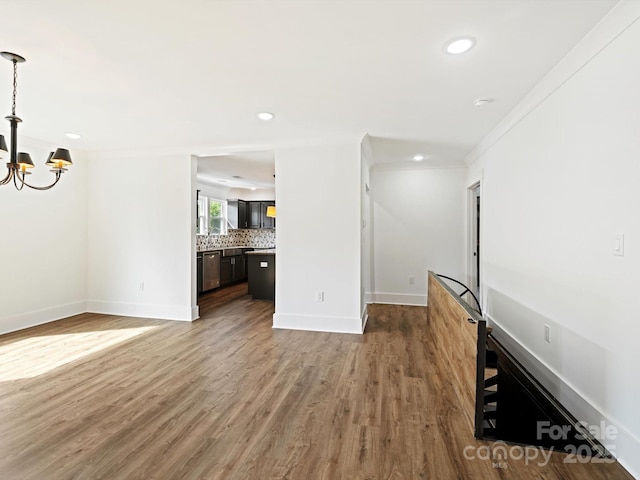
x=256, y=238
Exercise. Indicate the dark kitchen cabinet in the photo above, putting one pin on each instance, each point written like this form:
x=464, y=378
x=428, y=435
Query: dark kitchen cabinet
x=254, y=210
x=239, y=267
x=257, y=213
x=233, y=269
x=199, y=272
x=262, y=276
x=267, y=222
x=237, y=213
x=249, y=214
x=226, y=271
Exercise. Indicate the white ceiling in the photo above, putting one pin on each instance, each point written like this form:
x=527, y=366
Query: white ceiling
x=255, y=169
x=189, y=76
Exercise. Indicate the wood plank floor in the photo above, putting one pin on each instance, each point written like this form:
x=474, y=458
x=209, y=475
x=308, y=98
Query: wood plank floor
x=227, y=397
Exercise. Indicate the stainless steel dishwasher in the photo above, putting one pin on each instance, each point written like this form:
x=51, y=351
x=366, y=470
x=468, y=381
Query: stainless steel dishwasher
x=210, y=270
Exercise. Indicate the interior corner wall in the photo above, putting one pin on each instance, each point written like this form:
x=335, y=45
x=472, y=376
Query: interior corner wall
x=418, y=225
x=366, y=230
x=318, y=246
x=141, y=236
x=558, y=185
x=44, y=244
x=193, y=214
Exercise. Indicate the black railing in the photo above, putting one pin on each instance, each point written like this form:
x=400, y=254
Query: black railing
x=466, y=289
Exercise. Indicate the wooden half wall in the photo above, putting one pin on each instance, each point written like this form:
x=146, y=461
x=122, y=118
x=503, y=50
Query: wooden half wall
x=456, y=330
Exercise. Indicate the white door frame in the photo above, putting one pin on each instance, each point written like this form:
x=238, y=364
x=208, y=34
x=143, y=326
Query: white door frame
x=473, y=269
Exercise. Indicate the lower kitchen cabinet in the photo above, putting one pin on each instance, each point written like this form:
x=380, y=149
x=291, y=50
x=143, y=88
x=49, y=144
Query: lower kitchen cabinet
x=262, y=276
x=226, y=271
x=233, y=269
x=199, y=272
x=239, y=264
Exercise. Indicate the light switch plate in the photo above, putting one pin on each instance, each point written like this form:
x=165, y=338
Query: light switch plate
x=547, y=333
x=618, y=245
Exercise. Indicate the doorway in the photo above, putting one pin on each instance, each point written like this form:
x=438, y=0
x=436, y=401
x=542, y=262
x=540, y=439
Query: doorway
x=473, y=267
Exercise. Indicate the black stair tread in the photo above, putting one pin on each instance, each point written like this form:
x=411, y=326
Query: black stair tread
x=490, y=412
x=488, y=427
x=490, y=396
x=491, y=381
x=491, y=359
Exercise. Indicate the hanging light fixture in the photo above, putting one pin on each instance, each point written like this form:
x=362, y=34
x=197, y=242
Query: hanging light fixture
x=20, y=162
x=271, y=211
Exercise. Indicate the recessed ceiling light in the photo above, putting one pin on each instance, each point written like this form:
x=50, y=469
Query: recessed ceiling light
x=73, y=136
x=266, y=116
x=459, y=45
x=418, y=158
x=252, y=188
x=481, y=102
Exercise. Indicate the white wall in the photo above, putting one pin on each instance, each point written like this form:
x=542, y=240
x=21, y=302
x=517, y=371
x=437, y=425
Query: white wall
x=142, y=230
x=318, y=248
x=559, y=179
x=418, y=225
x=43, y=237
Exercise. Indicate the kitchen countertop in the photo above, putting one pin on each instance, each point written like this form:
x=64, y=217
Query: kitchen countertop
x=219, y=249
x=269, y=251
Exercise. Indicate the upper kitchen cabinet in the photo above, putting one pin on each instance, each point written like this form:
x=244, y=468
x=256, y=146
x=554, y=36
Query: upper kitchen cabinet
x=237, y=215
x=257, y=212
x=267, y=222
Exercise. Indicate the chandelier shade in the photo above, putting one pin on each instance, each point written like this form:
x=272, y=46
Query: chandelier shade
x=63, y=156
x=24, y=161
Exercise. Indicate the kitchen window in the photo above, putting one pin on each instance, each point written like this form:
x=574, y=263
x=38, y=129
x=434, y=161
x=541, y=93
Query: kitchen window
x=212, y=216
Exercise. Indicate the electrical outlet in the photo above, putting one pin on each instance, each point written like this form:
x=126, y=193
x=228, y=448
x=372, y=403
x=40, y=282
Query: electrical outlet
x=547, y=333
x=412, y=280
x=320, y=296
x=142, y=286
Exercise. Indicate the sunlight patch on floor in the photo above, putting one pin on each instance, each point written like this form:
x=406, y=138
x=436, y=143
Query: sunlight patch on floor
x=37, y=355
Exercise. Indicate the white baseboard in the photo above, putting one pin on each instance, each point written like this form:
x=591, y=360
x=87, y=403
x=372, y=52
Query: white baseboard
x=626, y=444
x=364, y=317
x=399, y=298
x=39, y=317
x=195, y=313
x=162, y=312
x=317, y=323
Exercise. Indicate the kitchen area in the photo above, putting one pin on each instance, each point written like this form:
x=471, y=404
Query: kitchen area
x=236, y=225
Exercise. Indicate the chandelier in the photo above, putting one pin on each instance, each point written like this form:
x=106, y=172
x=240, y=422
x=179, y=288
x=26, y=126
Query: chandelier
x=20, y=162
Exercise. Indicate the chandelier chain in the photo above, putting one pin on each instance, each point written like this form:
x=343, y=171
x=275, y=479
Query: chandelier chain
x=15, y=87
